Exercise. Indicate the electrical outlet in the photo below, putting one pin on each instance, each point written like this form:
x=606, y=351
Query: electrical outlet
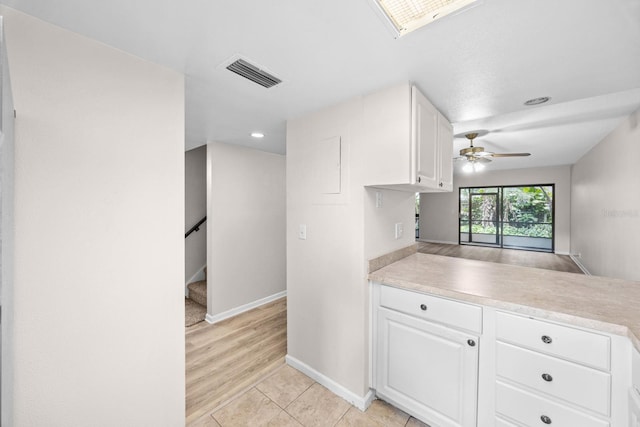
x=399, y=230
x=302, y=232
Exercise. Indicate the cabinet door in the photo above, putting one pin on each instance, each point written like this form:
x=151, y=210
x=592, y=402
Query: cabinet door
x=424, y=140
x=634, y=408
x=427, y=369
x=445, y=154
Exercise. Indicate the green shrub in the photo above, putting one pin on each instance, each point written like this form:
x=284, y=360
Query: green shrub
x=534, y=230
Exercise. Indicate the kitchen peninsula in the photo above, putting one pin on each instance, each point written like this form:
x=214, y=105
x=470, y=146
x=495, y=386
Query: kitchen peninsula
x=461, y=342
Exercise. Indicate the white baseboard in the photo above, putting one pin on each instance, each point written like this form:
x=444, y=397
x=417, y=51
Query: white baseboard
x=246, y=307
x=562, y=253
x=360, y=402
x=195, y=278
x=579, y=264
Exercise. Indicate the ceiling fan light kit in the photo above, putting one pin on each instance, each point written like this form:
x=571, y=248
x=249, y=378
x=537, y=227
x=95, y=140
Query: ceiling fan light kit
x=476, y=156
x=472, y=167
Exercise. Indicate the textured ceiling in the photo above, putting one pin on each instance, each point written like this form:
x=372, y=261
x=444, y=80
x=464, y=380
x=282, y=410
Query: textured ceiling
x=477, y=67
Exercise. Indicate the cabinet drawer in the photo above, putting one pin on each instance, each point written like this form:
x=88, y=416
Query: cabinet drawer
x=533, y=410
x=440, y=310
x=574, y=383
x=572, y=344
x=503, y=423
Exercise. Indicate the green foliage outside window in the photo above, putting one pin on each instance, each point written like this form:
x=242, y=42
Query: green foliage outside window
x=525, y=211
x=533, y=230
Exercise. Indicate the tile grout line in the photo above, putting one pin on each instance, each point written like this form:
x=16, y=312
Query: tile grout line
x=342, y=416
x=245, y=390
x=291, y=403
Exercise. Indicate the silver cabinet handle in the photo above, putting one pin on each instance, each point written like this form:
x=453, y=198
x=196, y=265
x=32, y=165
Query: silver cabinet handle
x=423, y=307
x=545, y=419
x=548, y=378
x=546, y=339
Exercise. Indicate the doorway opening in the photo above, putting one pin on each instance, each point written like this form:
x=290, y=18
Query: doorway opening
x=515, y=217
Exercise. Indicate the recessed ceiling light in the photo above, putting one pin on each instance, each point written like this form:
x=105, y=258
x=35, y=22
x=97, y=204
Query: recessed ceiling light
x=537, y=101
x=409, y=15
x=257, y=135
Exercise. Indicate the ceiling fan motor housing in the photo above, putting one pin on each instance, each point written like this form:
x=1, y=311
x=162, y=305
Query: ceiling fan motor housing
x=470, y=151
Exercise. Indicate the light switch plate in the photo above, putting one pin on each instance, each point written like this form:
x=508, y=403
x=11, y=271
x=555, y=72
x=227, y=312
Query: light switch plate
x=302, y=232
x=378, y=199
x=399, y=230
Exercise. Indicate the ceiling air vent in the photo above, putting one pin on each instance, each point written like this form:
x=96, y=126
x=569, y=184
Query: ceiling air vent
x=253, y=73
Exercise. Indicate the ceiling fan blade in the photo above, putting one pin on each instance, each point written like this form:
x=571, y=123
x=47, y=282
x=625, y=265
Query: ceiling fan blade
x=483, y=154
x=483, y=160
x=510, y=154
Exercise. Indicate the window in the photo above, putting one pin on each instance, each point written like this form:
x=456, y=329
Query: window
x=517, y=217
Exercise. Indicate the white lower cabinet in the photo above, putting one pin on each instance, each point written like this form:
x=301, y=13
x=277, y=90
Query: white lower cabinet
x=634, y=391
x=450, y=364
x=531, y=409
x=500, y=422
x=634, y=408
x=427, y=368
x=571, y=382
x=550, y=374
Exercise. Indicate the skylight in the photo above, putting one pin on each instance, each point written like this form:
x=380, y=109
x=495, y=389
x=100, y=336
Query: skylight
x=409, y=15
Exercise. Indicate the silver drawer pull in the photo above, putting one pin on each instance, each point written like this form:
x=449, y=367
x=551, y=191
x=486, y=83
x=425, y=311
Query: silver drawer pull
x=548, y=378
x=423, y=307
x=546, y=339
x=545, y=419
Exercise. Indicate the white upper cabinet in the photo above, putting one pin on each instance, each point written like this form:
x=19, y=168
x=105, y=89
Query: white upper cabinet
x=445, y=154
x=424, y=134
x=410, y=143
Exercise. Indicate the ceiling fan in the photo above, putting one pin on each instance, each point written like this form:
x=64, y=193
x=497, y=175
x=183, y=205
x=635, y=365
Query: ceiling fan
x=477, y=156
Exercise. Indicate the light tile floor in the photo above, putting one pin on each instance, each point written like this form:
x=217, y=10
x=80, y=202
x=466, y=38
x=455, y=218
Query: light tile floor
x=290, y=398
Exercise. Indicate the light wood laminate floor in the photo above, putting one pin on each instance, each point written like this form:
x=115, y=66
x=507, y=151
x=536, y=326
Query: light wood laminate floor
x=224, y=359
x=542, y=260
x=236, y=376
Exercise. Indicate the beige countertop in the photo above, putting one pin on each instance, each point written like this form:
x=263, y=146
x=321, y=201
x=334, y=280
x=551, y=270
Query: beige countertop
x=599, y=303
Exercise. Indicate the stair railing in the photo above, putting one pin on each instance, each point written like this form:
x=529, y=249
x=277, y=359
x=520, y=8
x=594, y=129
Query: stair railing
x=195, y=227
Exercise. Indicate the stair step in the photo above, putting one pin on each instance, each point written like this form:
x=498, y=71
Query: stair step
x=198, y=292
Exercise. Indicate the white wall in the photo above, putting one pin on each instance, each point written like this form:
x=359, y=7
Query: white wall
x=327, y=290
x=246, y=226
x=439, y=211
x=195, y=208
x=397, y=207
x=99, y=216
x=7, y=184
x=605, y=209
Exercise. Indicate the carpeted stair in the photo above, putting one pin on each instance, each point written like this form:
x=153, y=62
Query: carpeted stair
x=195, y=308
x=198, y=292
